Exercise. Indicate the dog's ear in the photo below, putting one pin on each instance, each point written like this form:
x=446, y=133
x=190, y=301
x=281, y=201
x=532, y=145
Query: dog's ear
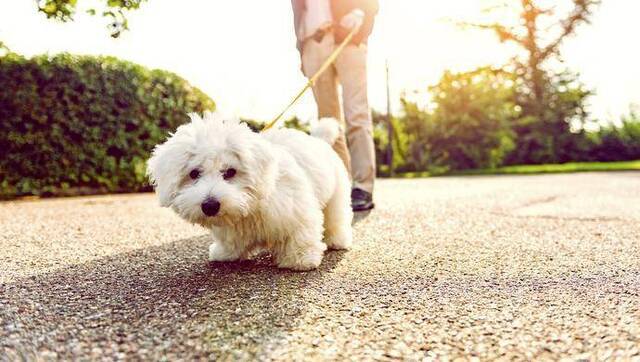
x=164, y=170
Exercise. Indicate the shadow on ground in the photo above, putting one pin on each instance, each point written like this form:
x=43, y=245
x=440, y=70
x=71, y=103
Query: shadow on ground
x=154, y=300
x=360, y=216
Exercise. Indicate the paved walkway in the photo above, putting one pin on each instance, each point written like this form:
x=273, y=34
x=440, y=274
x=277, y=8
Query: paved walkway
x=506, y=266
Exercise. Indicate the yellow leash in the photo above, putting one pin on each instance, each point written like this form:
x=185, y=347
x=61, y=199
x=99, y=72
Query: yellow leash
x=315, y=77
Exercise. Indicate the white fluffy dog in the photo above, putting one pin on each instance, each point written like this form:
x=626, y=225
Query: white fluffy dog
x=281, y=190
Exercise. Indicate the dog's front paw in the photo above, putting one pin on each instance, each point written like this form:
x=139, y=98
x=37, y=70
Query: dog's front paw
x=305, y=260
x=341, y=241
x=221, y=252
x=303, y=264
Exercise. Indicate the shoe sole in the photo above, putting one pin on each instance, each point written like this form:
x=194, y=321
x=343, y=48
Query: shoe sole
x=367, y=208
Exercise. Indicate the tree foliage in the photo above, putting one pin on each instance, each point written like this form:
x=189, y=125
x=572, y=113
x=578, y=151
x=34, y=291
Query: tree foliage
x=400, y=144
x=114, y=10
x=469, y=125
x=551, y=101
x=553, y=131
x=474, y=120
x=537, y=41
x=293, y=122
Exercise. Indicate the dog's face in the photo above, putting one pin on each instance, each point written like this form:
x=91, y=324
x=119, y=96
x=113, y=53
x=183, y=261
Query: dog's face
x=212, y=172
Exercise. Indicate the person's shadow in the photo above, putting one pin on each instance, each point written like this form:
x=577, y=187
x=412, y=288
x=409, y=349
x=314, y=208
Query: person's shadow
x=166, y=299
x=360, y=216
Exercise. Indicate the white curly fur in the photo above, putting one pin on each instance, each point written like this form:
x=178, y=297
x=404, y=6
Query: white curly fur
x=289, y=194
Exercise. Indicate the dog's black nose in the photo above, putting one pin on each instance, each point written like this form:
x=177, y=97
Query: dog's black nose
x=210, y=207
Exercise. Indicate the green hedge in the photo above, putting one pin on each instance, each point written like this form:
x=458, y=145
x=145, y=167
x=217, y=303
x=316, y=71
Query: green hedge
x=74, y=124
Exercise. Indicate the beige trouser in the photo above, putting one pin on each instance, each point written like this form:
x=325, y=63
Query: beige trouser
x=350, y=70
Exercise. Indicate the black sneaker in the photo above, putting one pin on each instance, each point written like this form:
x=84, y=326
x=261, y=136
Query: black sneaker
x=361, y=200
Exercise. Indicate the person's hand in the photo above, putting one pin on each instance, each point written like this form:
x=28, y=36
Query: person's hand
x=352, y=20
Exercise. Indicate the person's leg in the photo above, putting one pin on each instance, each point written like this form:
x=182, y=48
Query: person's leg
x=325, y=89
x=351, y=66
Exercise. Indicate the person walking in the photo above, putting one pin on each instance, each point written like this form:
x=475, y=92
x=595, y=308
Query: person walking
x=320, y=26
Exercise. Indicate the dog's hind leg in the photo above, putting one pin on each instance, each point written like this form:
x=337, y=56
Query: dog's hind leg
x=337, y=221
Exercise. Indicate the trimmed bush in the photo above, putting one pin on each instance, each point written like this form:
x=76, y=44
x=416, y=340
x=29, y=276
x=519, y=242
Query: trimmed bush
x=81, y=123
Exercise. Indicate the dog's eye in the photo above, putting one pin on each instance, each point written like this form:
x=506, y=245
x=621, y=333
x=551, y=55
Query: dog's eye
x=228, y=173
x=194, y=174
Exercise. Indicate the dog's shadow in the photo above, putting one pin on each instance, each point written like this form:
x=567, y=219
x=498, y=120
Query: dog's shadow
x=167, y=297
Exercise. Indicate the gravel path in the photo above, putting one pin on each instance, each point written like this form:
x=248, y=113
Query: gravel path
x=510, y=266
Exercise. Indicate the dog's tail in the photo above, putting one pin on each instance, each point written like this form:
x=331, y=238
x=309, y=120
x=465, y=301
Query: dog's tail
x=327, y=129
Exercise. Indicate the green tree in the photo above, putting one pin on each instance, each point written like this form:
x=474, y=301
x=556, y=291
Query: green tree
x=553, y=131
x=469, y=125
x=413, y=129
x=114, y=10
x=536, y=41
x=381, y=142
x=545, y=132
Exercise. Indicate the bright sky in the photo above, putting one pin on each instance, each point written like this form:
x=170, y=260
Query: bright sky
x=242, y=53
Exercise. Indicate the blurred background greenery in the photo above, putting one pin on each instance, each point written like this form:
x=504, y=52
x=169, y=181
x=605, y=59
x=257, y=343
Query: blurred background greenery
x=81, y=124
